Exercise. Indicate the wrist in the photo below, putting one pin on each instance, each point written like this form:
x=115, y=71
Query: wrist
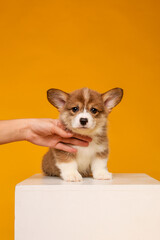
x=13, y=130
x=23, y=128
x=26, y=129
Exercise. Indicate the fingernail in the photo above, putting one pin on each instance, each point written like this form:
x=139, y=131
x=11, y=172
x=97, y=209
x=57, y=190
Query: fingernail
x=74, y=150
x=70, y=134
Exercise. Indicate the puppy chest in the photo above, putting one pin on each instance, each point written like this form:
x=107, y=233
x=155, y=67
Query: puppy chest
x=84, y=159
x=86, y=155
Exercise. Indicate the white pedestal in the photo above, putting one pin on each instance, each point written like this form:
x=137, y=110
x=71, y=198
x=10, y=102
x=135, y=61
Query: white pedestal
x=125, y=208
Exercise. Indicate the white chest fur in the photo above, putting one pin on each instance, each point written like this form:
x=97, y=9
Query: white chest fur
x=86, y=155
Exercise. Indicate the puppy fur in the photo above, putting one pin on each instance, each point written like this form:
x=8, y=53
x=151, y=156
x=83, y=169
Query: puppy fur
x=83, y=111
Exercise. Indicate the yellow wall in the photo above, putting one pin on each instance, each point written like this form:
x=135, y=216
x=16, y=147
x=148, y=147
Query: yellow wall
x=71, y=44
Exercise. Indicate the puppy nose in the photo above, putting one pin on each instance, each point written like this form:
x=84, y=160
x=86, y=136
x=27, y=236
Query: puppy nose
x=83, y=121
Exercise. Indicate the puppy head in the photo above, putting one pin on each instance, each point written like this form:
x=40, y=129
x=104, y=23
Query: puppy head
x=84, y=111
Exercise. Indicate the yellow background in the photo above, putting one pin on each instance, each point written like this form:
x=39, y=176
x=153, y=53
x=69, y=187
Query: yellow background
x=69, y=44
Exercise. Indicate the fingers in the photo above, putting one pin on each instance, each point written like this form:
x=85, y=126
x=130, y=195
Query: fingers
x=65, y=148
x=82, y=137
x=75, y=141
x=59, y=124
x=61, y=132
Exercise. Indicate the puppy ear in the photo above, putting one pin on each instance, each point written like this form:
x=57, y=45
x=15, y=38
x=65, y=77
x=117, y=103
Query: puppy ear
x=57, y=97
x=112, y=98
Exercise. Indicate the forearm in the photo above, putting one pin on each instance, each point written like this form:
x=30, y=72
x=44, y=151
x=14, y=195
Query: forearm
x=43, y=132
x=13, y=130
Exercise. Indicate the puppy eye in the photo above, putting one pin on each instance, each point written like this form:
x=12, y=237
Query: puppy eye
x=75, y=109
x=94, y=110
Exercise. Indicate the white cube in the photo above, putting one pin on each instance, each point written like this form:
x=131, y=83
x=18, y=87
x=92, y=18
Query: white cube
x=125, y=208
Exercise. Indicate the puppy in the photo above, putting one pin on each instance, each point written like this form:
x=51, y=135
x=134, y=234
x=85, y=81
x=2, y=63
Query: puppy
x=85, y=112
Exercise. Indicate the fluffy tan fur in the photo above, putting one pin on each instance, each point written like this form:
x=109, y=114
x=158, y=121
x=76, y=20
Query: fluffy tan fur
x=85, y=100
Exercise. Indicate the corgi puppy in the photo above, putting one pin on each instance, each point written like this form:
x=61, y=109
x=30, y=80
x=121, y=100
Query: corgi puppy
x=85, y=112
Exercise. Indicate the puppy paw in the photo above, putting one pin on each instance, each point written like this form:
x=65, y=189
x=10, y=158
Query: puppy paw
x=72, y=177
x=102, y=174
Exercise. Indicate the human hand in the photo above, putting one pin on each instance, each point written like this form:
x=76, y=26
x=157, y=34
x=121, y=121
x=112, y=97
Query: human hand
x=51, y=133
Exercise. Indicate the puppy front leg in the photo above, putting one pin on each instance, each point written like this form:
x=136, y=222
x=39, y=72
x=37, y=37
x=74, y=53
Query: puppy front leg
x=69, y=171
x=99, y=169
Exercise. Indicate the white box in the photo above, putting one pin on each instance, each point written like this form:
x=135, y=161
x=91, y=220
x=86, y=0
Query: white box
x=125, y=208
